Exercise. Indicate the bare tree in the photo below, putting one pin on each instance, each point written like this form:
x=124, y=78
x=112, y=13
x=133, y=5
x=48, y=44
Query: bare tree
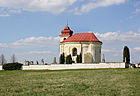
x=2, y=59
x=13, y=58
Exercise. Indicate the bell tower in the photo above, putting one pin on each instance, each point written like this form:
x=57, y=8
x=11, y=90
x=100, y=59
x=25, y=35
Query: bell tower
x=67, y=32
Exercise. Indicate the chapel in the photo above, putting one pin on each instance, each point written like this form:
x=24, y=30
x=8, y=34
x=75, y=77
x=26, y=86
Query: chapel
x=86, y=44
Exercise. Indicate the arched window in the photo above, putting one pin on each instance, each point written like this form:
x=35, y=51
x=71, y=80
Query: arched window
x=74, y=52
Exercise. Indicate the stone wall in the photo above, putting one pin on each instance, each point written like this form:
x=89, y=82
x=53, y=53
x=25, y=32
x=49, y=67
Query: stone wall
x=0, y=67
x=74, y=66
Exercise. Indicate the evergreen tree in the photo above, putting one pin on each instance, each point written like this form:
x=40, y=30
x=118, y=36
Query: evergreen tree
x=69, y=59
x=63, y=59
x=80, y=57
x=60, y=59
x=77, y=59
x=126, y=55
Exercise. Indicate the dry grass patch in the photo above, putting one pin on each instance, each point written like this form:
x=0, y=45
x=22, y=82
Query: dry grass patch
x=103, y=82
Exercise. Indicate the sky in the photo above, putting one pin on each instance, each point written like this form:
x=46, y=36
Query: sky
x=30, y=29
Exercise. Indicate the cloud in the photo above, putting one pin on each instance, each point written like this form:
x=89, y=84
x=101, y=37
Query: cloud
x=130, y=36
x=4, y=12
x=52, y=6
x=106, y=50
x=32, y=48
x=85, y=8
x=3, y=45
x=137, y=3
x=137, y=11
x=113, y=43
x=109, y=50
x=4, y=15
x=137, y=48
x=42, y=52
x=35, y=42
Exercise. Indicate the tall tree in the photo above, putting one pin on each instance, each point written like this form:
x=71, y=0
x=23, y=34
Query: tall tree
x=60, y=59
x=80, y=58
x=2, y=59
x=70, y=62
x=63, y=58
x=13, y=58
x=126, y=55
x=69, y=59
x=77, y=59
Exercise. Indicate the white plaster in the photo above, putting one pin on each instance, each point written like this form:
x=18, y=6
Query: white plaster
x=87, y=47
x=74, y=66
x=62, y=38
x=0, y=67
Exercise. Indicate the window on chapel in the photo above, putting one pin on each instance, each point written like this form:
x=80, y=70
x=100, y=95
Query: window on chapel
x=74, y=51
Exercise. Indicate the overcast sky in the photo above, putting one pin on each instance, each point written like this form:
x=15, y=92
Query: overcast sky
x=30, y=28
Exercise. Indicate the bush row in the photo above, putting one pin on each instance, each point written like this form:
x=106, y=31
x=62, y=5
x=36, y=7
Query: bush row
x=12, y=66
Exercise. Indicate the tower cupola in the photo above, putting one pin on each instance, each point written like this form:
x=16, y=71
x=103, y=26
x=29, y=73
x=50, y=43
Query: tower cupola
x=67, y=32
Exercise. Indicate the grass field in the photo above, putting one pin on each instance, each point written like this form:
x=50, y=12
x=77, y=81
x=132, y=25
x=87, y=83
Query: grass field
x=101, y=82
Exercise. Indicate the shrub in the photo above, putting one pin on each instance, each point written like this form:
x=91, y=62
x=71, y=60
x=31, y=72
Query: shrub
x=79, y=58
x=12, y=66
x=69, y=59
x=62, y=59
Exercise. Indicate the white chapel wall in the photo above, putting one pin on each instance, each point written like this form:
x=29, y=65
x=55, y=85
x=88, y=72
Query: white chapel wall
x=92, y=48
x=75, y=66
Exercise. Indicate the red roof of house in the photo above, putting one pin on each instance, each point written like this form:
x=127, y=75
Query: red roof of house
x=66, y=32
x=82, y=37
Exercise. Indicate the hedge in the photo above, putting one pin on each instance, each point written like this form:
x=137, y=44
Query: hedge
x=12, y=66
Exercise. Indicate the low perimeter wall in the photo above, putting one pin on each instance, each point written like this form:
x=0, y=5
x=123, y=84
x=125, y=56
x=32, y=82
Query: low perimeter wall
x=74, y=66
x=0, y=67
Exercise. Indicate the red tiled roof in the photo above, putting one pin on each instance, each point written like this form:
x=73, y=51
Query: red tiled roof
x=66, y=31
x=82, y=37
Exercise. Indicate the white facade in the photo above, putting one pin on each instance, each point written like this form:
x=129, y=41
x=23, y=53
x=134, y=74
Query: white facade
x=91, y=51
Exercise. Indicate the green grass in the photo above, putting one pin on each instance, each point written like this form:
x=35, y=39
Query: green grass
x=101, y=82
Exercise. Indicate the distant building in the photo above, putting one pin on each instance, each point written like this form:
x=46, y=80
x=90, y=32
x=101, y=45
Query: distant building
x=86, y=44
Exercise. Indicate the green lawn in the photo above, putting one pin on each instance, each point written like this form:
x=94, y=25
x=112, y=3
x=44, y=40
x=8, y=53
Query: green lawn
x=101, y=82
